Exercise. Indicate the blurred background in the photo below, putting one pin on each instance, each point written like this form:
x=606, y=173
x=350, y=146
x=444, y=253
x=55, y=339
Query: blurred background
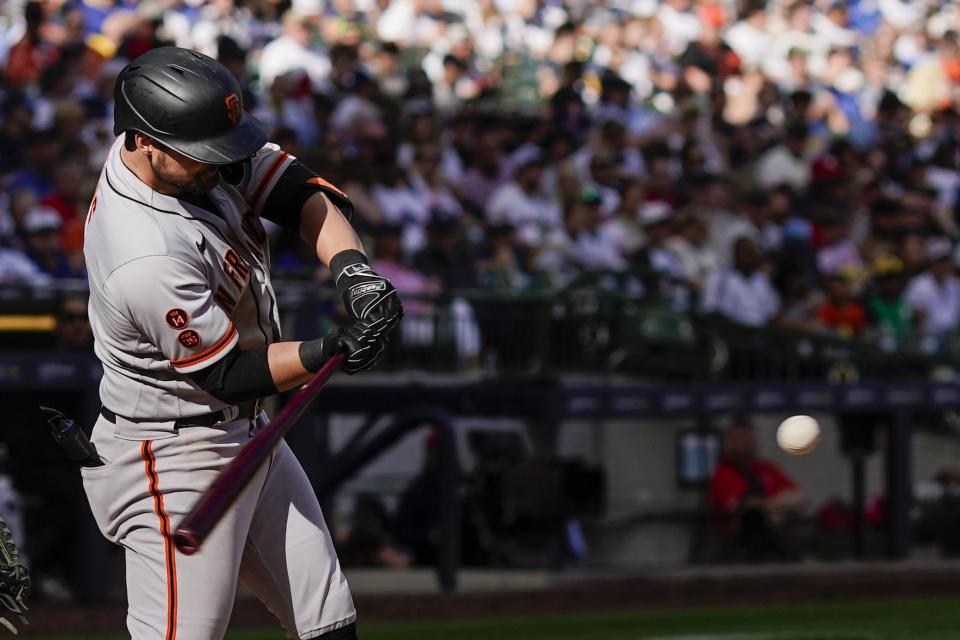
x=631, y=237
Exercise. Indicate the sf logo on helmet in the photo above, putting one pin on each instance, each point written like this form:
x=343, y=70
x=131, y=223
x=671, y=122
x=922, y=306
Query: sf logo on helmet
x=233, y=108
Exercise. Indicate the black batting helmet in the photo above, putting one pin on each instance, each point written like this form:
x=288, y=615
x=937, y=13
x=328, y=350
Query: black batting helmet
x=188, y=102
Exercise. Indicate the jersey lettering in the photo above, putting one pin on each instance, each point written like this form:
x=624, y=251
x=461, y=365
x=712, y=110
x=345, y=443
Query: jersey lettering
x=236, y=268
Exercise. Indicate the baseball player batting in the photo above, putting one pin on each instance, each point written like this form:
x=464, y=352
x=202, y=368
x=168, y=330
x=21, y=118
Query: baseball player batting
x=186, y=325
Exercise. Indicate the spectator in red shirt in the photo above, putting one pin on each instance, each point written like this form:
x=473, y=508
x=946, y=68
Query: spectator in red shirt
x=68, y=197
x=33, y=53
x=840, y=312
x=752, y=499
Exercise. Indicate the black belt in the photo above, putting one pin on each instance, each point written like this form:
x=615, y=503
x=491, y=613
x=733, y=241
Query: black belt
x=248, y=409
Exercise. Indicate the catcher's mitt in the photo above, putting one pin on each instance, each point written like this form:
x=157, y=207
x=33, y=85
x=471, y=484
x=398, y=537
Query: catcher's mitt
x=14, y=582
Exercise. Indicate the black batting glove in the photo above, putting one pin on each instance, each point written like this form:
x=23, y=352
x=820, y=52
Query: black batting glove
x=361, y=343
x=367, y=295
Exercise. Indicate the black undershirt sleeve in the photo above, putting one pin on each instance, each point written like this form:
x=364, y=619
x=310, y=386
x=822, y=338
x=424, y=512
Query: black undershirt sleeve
x=243, y=374
x=293, y=189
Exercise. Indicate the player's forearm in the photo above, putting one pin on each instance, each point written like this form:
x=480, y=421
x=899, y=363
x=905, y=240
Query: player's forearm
x=325, y=228
x=257, y=373
x=286, y=366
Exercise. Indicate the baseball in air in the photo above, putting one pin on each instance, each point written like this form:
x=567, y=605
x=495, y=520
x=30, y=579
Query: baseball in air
x=798, y=435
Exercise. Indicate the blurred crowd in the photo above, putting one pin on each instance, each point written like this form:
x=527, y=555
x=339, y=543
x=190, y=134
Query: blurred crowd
x=773, y=162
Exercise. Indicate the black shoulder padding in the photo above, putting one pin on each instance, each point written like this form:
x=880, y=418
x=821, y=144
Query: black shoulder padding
x=294, y=187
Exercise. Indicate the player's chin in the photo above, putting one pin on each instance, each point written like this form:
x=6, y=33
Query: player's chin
x=203, y=182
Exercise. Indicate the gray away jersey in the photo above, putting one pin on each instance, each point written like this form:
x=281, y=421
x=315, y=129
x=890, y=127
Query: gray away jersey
x=173, y=288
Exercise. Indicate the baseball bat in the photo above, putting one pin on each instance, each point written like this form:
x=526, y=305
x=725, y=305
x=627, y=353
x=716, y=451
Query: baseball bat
x=209, y=509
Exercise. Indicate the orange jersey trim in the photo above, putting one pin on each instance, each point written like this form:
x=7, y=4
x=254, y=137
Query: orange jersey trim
x=209, y=352
x=323, y=183
x=267, y=178
x=169, y=551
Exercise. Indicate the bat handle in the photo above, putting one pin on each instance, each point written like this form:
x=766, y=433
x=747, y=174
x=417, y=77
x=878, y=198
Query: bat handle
x=207, y=511
x=187, y=541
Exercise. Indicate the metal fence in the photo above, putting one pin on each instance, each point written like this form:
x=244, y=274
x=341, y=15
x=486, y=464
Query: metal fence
x=595, y=325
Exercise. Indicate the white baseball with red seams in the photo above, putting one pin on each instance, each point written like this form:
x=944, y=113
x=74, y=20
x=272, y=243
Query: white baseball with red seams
x=798, y=435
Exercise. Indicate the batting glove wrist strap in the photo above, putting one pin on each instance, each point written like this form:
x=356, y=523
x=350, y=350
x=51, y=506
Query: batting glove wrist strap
x=14, y=582
x=366, y=294
x=315, y=353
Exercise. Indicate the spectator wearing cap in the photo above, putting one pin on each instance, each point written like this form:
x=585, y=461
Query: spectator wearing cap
x=742, y=293
x=887, y=311
x=41, y=231
x=934, y=295
x=522, y=203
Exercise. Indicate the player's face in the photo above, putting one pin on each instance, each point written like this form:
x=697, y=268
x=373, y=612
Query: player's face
x=177, y=170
